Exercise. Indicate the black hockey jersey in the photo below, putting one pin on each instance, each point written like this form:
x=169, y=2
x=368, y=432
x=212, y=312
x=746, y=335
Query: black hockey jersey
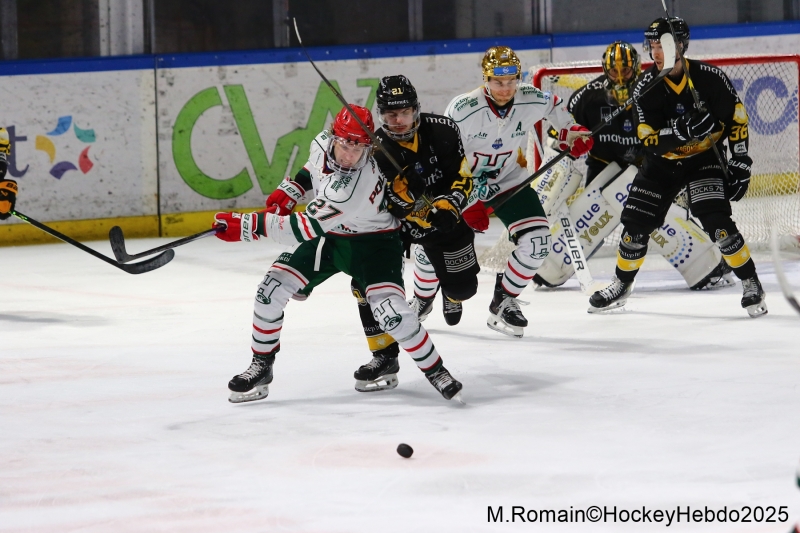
x=617, y=141
x=672, y=98
x=436, y=153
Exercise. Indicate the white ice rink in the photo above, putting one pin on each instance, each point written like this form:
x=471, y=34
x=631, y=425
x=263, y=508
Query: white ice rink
x=114, y=414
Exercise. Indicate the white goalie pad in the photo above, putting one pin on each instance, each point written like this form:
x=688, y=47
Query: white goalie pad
x=556, y=185
x=595, y=214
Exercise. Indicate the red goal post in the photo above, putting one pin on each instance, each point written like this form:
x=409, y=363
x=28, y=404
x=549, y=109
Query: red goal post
x=768, y=86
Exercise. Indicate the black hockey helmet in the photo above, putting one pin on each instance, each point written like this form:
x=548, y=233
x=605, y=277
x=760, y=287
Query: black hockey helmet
x=396, y=92
x=621, y=65
x=660, y=26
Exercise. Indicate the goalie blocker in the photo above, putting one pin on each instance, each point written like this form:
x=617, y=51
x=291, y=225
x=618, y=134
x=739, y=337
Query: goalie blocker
x=596, y=213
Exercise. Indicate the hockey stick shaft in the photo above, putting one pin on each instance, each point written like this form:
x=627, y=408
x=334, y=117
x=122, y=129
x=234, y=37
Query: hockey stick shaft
x=375, y=142
x=117, y=240
x=579, y=262
x=137, y=268
x=605, y=121
x=786, y=289
x=696, y=97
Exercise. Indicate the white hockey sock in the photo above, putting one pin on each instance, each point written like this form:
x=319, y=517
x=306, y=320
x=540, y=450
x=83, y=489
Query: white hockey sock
x=426, y=284
x=421, y=349
x=531, y=251
x=280, y=284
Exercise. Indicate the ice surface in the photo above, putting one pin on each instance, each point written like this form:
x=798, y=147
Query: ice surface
x=114, y=414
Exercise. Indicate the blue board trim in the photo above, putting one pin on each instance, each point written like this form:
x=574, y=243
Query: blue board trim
x=372, y=51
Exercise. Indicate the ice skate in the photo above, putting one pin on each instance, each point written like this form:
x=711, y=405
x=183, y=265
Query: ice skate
x=422, y=307
x=452, y=310
x=253, y=383
x=446, y=384
x=504, y=313
x=378, y=374
x=753, y=297
x=612, y=297
x=719, y=278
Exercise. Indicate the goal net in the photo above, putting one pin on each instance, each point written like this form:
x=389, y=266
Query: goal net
x=768, y=87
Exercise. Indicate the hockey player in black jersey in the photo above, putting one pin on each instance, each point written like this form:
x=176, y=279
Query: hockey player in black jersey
x=617, y=142
x=678, y=138
x=8, y=188
x=429, y=147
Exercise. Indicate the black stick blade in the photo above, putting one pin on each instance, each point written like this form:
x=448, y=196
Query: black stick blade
x=149, y=264
x=117, y=240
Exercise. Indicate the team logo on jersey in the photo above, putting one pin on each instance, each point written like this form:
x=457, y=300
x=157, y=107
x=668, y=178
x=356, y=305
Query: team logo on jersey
x=498, y=143
x=680, y=109
x=418, y=167
x=627, y=126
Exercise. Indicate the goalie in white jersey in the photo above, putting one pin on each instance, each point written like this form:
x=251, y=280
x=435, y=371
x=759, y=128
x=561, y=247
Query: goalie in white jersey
x=346, y=228
x=494, y=120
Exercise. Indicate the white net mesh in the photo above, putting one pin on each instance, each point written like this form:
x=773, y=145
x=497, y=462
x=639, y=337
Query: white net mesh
x=768, y=86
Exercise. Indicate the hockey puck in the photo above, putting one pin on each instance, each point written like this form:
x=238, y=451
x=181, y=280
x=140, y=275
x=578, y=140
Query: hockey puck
x=405, y=450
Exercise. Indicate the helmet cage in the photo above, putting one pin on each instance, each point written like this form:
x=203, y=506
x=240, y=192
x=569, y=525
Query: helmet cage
x=406, y=135
x=339, y=168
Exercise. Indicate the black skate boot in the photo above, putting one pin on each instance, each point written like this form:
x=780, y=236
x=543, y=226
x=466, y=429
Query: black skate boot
x=504, y=313
x=612, y=297
x=446, y=384
x=719, y=278
x=421, y=306
x=253, y=383
x=452, y=310
x=753, y=297
x=380, y=373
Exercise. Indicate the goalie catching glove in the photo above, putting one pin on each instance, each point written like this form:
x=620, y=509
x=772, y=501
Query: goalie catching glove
x=576, y=139
x=739, y=168
x=236, y=227
x=8, y=196
x=284, y=199
x=446, y=215
x=403, y=192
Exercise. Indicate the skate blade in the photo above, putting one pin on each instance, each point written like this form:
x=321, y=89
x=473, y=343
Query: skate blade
x=498, y=325
x=459, y=398
x=757, y=310
x=389, y=381
x=611, y=307
x=258, y=392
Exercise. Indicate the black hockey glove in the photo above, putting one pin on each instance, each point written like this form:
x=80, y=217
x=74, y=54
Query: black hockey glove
x=694, y=125
x=403, y=192
x=446, y=216
x=8, y=196
x=739, y=168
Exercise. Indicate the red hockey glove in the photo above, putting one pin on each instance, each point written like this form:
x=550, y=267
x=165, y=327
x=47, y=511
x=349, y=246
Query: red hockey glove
x=285, y=198
x=576, y=139
x=8, y=196
x=477, y=217
x=239, y=226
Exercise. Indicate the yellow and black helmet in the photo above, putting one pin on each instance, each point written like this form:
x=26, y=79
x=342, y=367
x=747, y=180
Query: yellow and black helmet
x=621, y=65
x=500, y=61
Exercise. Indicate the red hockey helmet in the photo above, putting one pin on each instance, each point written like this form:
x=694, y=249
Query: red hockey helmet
x=347, y=128
x=355, y=146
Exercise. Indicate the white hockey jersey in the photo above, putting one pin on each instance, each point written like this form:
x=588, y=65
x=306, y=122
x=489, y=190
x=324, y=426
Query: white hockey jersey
x=342, y=205
x=495, y=147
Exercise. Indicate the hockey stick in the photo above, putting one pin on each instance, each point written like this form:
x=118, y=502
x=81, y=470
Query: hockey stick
x=700, y=107
x=136, y=268
x=782, y=281
x=668, y=44
x=375, y=142
x=117, y=241
x=579, y=263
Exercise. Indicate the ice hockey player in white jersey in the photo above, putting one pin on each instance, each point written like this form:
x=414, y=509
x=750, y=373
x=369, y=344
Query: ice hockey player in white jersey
x=346, y=228
x=494, y=120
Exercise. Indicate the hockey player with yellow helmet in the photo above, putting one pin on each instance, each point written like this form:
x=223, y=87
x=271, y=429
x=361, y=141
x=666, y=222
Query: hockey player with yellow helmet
x=494, y=120
x=8, y=187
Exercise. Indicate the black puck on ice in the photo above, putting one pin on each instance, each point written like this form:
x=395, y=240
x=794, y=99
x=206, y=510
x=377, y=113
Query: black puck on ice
x=405, y=450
